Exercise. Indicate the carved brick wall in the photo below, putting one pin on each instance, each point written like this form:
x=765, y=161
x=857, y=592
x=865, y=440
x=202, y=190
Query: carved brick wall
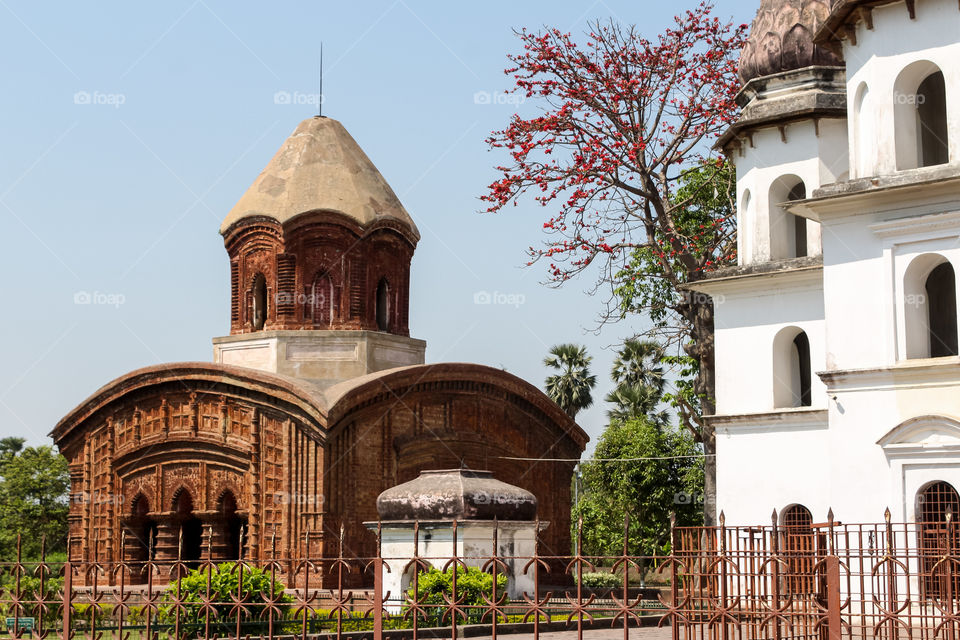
x=320, y=274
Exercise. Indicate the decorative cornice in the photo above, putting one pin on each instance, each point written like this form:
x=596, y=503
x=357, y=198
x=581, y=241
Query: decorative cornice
x=805, y=417
x=917, y=224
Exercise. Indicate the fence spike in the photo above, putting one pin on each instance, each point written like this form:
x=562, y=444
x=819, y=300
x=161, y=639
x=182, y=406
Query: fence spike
x=774, y=518
x=830, y=517
x=722, y=519
x=886, y=515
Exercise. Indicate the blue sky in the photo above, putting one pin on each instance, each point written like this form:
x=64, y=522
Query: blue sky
x=129, y=130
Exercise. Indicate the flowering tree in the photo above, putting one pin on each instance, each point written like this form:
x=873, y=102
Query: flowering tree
x=621, y=155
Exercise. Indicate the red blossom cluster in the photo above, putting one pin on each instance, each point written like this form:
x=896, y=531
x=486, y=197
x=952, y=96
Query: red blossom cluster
x=623, y=117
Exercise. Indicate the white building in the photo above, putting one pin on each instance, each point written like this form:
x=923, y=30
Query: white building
x=838, y=376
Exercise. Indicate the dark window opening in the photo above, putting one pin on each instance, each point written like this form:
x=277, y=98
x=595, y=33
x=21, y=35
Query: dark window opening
x=802, y=346
x=941, y=291
x=191, y=530
x=142, y=545
x=383, y=305
x=937, y=539
x=233, y=527
x=799, y=192
x=932, y=121
x=259, y=316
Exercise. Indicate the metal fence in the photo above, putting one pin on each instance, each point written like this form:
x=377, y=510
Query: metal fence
x=786, y=580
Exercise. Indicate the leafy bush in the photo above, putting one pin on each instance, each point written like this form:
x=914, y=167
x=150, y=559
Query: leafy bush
x=258, y=589
x=472, y=586
x=602, y=580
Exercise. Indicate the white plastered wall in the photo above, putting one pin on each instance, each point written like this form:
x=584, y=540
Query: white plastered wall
x=875, y=64
x=814, y=158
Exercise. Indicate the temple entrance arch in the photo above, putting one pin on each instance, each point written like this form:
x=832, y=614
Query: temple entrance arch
x=190, y=535
x=141, y=530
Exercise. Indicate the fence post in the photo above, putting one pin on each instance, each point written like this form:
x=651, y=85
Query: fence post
x=833, y=597
x=834, y=629
x=378, y=587
x=67, y=598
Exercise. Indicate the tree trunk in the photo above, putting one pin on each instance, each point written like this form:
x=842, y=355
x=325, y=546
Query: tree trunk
x=702, y=335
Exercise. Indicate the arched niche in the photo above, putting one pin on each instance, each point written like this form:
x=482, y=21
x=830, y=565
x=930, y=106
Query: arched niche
x=920, y=116
x=930, y=307
x=792, y=375
x=789, y=235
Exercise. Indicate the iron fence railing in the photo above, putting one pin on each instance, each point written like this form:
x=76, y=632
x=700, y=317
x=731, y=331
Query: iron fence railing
x=826, y=581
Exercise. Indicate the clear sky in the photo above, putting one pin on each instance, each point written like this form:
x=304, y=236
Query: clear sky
x=129, y=130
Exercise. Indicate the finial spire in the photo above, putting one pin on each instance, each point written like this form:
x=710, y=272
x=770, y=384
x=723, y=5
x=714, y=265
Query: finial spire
x=320, y=101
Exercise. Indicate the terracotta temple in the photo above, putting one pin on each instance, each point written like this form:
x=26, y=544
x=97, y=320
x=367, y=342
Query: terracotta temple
x=317, y=401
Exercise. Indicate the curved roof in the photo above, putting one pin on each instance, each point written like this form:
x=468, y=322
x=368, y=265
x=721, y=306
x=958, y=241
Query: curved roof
x=782, y=38
x=307, y=398
x=456, y=494
x=322, y=407
x=345, y=396
x=320, y=167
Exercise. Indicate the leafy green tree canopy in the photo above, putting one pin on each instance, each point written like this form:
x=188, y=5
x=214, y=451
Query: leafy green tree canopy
x=34, y=499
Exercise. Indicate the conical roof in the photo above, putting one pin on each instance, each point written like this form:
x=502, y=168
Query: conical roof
x=320, y=167
x=781, y=38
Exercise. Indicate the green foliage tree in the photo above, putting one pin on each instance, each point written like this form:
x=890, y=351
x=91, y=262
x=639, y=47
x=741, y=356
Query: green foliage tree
x=434, y=587
x=655, y=282
x=34, y=499
x=649, y=490
x=571, y=387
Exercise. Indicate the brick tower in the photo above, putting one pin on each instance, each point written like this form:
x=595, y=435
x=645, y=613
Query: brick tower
x=320, y=250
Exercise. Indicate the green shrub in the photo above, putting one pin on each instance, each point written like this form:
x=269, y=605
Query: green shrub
x=472, y=586
x=224, y=578
x=602, y=580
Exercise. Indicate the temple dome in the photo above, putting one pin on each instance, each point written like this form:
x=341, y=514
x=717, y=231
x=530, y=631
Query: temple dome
x=456, y=494
x=320, y=167
x=781, y=38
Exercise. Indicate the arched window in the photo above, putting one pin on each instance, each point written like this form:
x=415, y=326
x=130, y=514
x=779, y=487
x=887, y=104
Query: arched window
x=932, y=121
x=930, y=307
x=920, y=116
x=941, y=287
x=934, y=502
x=791, y=369
x=788, y=233
x=383, y=305
x=258, y=314
x=799, y=547
x=190, y=532
x=322, y=297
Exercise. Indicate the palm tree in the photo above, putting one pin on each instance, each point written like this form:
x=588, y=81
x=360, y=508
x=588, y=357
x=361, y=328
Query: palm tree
x=639, y=363
x=570, y=388
x=639, y=375
x=634, y=401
